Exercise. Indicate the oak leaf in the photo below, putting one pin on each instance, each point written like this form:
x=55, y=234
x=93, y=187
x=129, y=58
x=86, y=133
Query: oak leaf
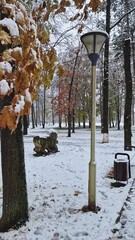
x=65, y=3
x=16, y=54
x=5, y=38
x=1, y=74
x=7, y=118
x=75, y=17
x=12, y=121
x=46, y=16
x=79, y=4
x=80, y=29
x=60, y=10
x=15, y=100
x=6, y=56
x=60, y=71
x=7, y=11
x=43, y=35
x=95, y=4
x=76, y=193
x=16, y=41
x=27, y=107
x=53, y=7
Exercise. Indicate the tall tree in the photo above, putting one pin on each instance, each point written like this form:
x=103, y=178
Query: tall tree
x=21, y=64
x=104, y=129
x=128, y=98
x=70, y=93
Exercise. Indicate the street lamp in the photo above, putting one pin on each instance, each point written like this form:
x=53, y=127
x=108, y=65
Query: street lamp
x=93, y=41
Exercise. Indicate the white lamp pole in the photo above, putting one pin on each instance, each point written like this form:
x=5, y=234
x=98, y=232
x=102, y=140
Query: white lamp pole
x=93, y=41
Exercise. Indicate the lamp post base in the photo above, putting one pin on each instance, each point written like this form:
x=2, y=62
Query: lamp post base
x=90, y=209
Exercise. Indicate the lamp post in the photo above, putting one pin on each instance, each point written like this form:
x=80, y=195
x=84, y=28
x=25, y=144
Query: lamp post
x=93, y=41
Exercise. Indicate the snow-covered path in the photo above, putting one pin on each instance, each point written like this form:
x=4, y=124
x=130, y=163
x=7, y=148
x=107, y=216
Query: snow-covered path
x=125, y=227
x=58, y=189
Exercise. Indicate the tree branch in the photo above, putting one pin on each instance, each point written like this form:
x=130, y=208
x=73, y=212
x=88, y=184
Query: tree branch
x=124, y=15
x=64, y=33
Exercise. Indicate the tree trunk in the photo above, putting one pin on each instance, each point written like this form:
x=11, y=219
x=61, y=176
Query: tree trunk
x=15, y=205
x=33, y=115
x=44, y=108
x=118, y=110
x=60, y=120
x=128, y=98
x=84, y=120
x=25, y=125
x=37, y=113
x=104, y=129
x=133, y=75
x=70, y=95
x=53, y=122
x=73, y=121
x=79, y=118
x=69, y=124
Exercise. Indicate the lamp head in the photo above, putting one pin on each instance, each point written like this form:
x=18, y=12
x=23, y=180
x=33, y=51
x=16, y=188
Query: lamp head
x=93, y=41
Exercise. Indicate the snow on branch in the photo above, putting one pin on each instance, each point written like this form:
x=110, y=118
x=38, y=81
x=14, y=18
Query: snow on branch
x=124, y=15
x=11, y=26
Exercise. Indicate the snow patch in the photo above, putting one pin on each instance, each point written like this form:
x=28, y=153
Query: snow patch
x=11, y=26
x=4, y=87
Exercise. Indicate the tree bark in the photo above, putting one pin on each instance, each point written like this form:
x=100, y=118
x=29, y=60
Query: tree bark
x=128, y=97
x=60, y=121
x=104, y=128
x=33, y=115
x=25, y=125
x=73, y=120
x=70, y=95
x=44, y=108
x=15, y=204
x=69, y=123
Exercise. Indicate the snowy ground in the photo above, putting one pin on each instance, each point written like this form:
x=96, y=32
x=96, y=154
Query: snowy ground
x=58, y=189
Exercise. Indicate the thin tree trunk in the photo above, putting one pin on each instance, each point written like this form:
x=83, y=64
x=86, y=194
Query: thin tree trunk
x=44, y=108
x=53, y=122
x=128, y=98
x=84, y=119
x=33, y=115
x=104, y=129
x=78, y=116
x=118, y=110
x=73, y=121
x=37, y=112
x=69, y=124
x=25, y=125
x=70, y=95
x=60, y=120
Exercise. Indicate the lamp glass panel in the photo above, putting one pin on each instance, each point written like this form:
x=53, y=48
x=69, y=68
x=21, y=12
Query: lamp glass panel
x=100, y=39
x=89, y=43
x=91, y=46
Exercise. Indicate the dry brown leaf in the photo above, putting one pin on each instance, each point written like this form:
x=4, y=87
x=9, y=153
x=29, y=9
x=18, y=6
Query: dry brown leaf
x=5, y=38
x=8, y=118
x=60, y=71
x=95, y=4
x=80, y=29
x=16, y=41
x=16, y=54
x=76, y=193
x=60, y=10
x=27, y=107
x=46, y=16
